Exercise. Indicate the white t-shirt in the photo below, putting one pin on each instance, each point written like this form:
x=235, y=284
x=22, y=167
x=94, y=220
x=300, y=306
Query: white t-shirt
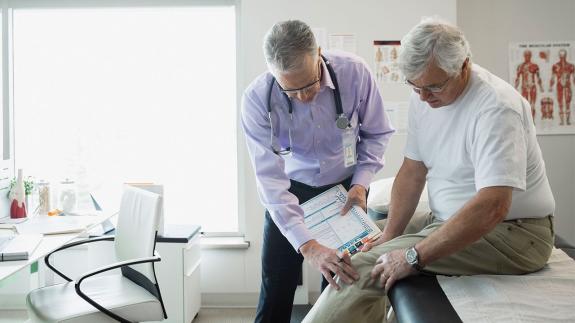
x=485, y=138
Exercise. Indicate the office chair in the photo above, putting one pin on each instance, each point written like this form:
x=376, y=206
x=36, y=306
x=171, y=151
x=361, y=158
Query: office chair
x=131, y=293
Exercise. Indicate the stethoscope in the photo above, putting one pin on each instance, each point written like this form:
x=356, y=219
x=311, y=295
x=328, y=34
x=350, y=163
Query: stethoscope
x=341, y=121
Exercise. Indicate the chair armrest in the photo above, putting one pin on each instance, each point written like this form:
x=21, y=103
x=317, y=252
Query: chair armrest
x=109, y=267
x=155, y=258
x=69, y=245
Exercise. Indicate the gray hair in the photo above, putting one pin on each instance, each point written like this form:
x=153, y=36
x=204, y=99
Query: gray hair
x=286, y=43
x=433, y=40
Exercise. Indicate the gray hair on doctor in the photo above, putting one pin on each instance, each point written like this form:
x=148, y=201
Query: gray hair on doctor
x=286, y=43
x=433, y=40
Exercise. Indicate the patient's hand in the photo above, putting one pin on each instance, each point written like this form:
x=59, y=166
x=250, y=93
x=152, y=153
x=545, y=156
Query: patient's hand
x=391, y=267
x=357, y=195
x=325, y=260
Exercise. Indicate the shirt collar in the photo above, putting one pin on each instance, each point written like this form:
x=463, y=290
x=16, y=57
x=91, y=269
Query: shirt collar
x=326, y=78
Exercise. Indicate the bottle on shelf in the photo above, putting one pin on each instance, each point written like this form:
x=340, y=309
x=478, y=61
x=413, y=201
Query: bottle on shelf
x=43, y=197
x=67, y=195
x=18, y=198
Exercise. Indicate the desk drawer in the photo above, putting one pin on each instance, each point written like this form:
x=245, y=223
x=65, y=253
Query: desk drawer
x=192, y=293
x=192, y=254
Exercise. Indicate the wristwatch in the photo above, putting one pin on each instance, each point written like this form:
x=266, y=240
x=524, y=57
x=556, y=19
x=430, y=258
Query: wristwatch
x=412, y=258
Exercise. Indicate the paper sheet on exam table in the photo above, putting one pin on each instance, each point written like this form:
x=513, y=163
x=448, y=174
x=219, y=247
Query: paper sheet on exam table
x=544, y=296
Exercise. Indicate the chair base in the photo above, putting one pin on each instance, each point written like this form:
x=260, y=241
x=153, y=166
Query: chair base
x=60, y=303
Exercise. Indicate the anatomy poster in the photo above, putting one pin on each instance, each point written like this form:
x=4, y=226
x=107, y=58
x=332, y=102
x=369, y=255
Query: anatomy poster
x=544, y=73
x=386, y=66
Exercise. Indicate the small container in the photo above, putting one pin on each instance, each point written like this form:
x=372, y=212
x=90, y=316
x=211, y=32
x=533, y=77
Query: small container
x=43, y=197
x=67, y=195
x=18, y=198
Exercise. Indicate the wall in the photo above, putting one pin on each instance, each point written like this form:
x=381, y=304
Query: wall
x=232, y=277
x=490, y=25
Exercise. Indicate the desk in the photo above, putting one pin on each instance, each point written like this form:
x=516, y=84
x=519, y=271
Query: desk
x=50, y=243
x=421, y=299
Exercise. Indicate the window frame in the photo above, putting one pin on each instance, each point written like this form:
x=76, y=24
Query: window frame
x=8, y=6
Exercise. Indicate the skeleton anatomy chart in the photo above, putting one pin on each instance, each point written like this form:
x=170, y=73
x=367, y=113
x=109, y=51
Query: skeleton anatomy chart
x=544, y=73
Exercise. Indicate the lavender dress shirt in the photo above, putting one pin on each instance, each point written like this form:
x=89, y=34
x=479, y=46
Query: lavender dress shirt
x=317, y=152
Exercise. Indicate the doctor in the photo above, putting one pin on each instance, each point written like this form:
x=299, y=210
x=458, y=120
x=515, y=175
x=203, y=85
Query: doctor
x=313, y=121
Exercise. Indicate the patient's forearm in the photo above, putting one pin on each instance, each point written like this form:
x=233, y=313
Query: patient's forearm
x=405, y=195
x=475, y=219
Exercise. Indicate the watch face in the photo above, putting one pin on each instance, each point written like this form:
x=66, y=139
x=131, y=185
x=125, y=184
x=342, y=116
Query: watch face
x=411, y=256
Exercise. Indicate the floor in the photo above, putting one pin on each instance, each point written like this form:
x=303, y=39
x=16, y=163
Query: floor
x=12, y=316
x=226, y=315
x=206, y=315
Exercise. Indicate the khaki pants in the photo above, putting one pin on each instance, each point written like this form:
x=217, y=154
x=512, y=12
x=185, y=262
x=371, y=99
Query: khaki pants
x=512, y=247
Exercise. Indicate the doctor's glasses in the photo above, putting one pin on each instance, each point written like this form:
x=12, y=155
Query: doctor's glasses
x=306, y=89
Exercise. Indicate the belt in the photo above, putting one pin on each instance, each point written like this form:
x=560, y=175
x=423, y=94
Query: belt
x=542, y=220
x=320, y=188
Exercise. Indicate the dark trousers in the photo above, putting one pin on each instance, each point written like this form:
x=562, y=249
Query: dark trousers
x=281, y=263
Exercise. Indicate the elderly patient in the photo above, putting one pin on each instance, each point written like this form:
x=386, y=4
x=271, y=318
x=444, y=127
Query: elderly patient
x=471, y=136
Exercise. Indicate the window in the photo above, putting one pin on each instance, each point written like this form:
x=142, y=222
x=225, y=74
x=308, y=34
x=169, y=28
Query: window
x=111, y=95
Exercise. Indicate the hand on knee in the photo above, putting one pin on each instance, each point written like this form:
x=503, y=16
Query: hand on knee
x=391, y=267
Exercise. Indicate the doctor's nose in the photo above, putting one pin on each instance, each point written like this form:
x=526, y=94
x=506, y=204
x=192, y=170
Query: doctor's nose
x=305, y=97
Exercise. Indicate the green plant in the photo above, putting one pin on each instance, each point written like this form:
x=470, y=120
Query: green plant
x=28, y=186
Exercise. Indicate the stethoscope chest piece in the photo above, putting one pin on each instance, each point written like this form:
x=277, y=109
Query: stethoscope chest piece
x=342, y=122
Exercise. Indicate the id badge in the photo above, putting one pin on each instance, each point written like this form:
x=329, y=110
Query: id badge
x=349, y=142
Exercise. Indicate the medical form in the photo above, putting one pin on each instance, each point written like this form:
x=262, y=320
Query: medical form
x=345, y=233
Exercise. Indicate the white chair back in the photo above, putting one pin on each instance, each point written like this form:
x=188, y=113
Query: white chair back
x=138, y=221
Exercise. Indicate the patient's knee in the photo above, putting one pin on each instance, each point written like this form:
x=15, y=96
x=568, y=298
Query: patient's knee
x=364, y=262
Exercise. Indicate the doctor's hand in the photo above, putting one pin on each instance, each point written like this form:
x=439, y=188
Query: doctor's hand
x=326, y=260
x=357, y=195
x=391, y=267
x=372, y=243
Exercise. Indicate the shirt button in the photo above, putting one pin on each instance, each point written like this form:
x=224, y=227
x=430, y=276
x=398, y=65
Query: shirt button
x=319, y=126
x=323, y=162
